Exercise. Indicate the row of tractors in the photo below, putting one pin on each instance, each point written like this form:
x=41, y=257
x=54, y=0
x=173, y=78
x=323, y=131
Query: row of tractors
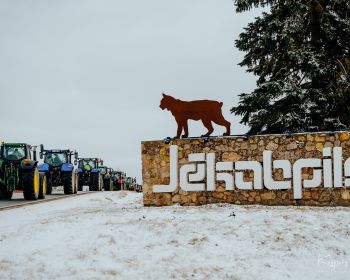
x=20, y=170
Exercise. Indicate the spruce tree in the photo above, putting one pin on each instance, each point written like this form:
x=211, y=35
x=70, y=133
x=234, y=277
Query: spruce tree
x=300, y=52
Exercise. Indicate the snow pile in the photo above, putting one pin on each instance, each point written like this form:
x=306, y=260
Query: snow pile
x=110, y=235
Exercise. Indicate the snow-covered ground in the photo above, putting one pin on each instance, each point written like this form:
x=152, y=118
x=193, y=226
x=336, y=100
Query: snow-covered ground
x=110, y=235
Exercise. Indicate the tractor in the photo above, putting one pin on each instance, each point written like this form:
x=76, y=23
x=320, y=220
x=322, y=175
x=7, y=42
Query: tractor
x=114, y=179
x=59, y=169
x=130, y=183
x=19, y=171
x=119, y=180
x=89, y=174
x=106, y=173
x=138, y=188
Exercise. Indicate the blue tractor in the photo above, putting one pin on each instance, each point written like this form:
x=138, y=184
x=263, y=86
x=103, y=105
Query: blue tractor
x=88, y=173
x=59, y=169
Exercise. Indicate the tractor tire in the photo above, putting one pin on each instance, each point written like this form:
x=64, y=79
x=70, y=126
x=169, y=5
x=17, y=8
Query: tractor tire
x=31, y=184
x=101, y=183
x=68, y=182
x=43, y=186
x=48, y=185
x=80, y=182
x=48, y=188
x=76, y=182
x=4, y=193
x=96, y=182
x=107, y=184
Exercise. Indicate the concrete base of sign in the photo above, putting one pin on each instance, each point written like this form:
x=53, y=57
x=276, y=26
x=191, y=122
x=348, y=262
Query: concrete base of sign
x=311, y=169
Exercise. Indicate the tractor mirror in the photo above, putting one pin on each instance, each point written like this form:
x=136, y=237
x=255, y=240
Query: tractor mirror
x=41, y=155
x=41, y=148
x=76, y=154
x=34, y=155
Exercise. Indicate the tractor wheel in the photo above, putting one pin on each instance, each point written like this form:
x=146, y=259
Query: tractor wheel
x=101, y=183
x=76, y=182
x=68, y=182
x=80, y=182
x=31, y=184
x=48, y=185
x=4, y=193
x=43, y=186
x=95, y=182
x=107, y=184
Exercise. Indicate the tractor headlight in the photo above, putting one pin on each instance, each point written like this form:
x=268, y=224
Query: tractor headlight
x=87, y=167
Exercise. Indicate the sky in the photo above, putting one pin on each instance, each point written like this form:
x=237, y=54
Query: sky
x=88, y=74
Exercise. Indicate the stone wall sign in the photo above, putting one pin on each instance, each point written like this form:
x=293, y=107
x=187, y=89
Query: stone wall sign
x=300, y=169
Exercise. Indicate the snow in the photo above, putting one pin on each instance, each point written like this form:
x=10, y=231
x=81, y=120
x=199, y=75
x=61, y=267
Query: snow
x=110, y=235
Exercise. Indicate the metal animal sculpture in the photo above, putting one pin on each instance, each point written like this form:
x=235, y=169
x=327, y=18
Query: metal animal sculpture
x=207, y=111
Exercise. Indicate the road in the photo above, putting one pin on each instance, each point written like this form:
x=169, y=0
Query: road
x=18, y=199
x=110, y=235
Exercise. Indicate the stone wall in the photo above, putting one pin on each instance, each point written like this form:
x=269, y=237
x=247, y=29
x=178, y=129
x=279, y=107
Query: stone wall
x=156, y=169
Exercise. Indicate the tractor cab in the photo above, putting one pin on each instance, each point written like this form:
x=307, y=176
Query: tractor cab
x=104, y=170
x=87, y=164
x=56, y=157
x=16, y=152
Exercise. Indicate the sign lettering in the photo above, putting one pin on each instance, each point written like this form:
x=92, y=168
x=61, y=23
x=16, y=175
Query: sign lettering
x=202, y=172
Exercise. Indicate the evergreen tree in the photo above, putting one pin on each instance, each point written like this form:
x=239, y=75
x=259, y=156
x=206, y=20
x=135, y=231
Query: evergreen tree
x=300, y=52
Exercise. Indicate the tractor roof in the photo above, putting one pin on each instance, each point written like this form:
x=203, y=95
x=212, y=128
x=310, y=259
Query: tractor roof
x=15, y=144
x=57, y=151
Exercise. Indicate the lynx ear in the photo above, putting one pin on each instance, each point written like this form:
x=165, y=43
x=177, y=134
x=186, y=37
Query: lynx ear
x=164, y=95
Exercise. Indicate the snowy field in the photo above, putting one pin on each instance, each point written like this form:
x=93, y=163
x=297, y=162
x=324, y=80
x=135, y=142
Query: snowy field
x=110, y=235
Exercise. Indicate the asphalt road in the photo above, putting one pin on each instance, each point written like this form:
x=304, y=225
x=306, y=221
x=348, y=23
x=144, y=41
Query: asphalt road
x=18, y=199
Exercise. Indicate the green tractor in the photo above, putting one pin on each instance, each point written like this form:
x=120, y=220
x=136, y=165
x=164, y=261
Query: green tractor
x=106, y=173
x=19, y=171
x=130, y=183
x=88, y=174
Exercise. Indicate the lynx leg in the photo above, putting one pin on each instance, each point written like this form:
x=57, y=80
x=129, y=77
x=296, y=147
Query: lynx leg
x=185, y=126
x=228, y=129
x=220, y=120
x=179, y=130
x=207, y=123
x=180, y=124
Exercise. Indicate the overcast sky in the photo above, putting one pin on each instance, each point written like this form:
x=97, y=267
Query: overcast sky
x=88, y=75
